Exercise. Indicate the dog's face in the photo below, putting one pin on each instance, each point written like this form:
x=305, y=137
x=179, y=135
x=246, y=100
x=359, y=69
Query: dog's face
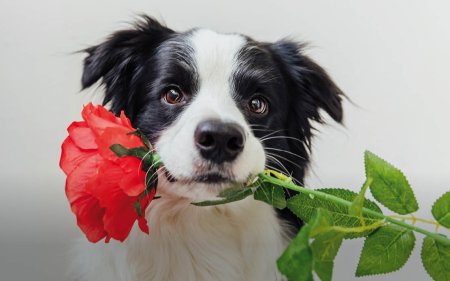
x=219, y=108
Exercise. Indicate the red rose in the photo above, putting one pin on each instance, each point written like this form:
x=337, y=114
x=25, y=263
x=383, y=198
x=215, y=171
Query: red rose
x=107, y=193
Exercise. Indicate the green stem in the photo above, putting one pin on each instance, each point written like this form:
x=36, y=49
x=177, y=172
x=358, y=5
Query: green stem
x=289, y=185
x=359, y=200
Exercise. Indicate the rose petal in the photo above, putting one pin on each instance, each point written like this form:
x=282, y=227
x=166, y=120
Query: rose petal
x=142, y=222
x=119, y=220
x=98, y=119
x=120, y=216
x=82, y=135
x=125, y=121
x=72, y=156
x=133, y=184
x=111, y=175
x=79, y=178
x=86, y=208
x=116, y=135
x=133, y=181
x=97, y=110
x=90, y=217
x=130, y=164
x=106, y=185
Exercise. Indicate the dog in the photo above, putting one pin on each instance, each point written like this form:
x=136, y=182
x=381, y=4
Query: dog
x=219, y=108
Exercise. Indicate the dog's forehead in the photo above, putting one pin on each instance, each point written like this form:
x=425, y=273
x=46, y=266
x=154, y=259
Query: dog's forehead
x=215, y=52
x=209, y=56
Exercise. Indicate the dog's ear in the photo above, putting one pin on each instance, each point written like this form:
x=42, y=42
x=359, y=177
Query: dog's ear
x=310, y=89
x=310, y=86
x=118, y=60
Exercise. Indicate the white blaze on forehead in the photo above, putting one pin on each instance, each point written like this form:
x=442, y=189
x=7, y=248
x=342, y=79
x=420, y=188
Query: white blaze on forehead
x=215, y=57
x=215, y=53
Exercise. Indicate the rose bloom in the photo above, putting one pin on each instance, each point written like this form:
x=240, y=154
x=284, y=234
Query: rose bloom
x=104, y=190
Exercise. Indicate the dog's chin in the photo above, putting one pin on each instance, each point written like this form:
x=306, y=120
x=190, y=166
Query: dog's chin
x=213, y=179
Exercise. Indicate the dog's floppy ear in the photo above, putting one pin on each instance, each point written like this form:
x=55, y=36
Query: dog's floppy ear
x=310, y=86
x=310, y=89
x=117, y=61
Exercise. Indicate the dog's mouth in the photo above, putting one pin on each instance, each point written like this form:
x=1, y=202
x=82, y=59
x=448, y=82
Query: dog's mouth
x=213, y=178
x=208, y=178
x=169, y=176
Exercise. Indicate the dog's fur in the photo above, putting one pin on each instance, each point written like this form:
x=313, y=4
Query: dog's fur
x=218, y=75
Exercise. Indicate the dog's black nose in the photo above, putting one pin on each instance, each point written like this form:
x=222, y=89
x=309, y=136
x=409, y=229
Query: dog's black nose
x=218, y=141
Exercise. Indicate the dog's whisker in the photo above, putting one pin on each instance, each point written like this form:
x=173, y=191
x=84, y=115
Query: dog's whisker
x=287, y=173
x=286, y=159
x=145, y=155
x=153, y=174
x=156, y=163
x=285, y=151
x=281, y=137
x=257, y=125
x=279, y=171
x=273, y=168
x=276, y=156
x=277, y=161
x=271, y=134
x=260, y=130
x=148, y=170
x=277, y=137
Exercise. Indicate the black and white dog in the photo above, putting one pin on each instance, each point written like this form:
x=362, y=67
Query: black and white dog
x=219, y=108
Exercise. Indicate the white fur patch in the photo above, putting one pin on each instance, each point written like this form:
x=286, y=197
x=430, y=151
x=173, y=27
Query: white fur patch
x=238, y=242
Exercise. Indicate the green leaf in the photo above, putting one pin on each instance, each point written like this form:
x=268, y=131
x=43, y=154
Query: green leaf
x=138, y=152
x=389, y=186
x=356, y=208
x=151, y=180
x=137, y=207
x=300, y=258
x=385, y=250
x=325, y=245
x=271, y=194
x=229, y=195
x=325, y=248
x=149, y=160
x=441, y=209
x=229, y=192
x=436, y=259
x=304, y=207
x=119, y=150
x=320, y=222
x=296, y=262
x=143, y=137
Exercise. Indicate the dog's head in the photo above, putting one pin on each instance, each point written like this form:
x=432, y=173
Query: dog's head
x=219, y=108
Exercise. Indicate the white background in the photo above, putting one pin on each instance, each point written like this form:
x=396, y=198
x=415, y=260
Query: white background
x=392, y=58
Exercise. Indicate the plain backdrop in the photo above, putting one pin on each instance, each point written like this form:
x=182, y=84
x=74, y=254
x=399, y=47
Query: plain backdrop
x=392, y=58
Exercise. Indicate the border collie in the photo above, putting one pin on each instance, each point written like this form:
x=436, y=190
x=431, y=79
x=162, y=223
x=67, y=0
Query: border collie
x=219, y=108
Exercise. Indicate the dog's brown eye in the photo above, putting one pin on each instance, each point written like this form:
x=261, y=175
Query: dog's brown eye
x=173, y=96
x=258, y=105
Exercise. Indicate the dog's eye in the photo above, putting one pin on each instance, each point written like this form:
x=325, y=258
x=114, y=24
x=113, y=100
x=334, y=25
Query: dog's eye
x=258, y=105
x=173, y=96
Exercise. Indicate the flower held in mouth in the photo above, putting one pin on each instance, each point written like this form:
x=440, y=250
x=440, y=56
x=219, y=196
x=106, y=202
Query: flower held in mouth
x=107, y=193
